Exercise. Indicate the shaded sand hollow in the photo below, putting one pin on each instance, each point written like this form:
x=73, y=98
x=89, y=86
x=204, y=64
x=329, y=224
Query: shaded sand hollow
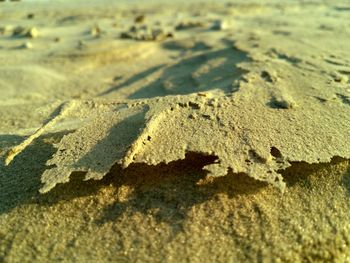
x=150, y=131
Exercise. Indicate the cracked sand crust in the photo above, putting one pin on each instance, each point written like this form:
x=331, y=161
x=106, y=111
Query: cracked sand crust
x=256, y=110
x=247, y=136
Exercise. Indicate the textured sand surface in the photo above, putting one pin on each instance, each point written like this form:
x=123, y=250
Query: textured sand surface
x=171, y=131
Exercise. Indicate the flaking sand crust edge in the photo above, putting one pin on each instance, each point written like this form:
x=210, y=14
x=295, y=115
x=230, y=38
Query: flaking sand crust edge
x=243, y=135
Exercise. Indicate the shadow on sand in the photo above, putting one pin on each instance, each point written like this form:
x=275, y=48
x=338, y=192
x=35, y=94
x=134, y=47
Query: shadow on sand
x=166, y=191
x=204, y=71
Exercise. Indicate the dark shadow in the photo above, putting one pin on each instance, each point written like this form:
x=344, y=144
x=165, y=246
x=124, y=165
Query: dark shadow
x=346, y=179
x=287, y=58
x=166, y=191
x=20, y=181
x=132, y=80
x=281, y=32
x=344, y=99
x=280, y=103
x=73, y=19
x=342, y=8
x=275, y=104
x=7, y=140
x=266, y=76
x=320, y=99
x=183, y=46
x=299, y=172
x=169, y=191
x=202, y=72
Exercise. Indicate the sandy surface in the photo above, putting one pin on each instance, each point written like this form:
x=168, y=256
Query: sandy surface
x=182, y=132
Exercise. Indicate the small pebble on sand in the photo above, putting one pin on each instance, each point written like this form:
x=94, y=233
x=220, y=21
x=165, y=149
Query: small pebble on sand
x=220, y=25
x=4, y=30
x=27, y=45
x=95, y=31
x=284, y=102
x=140, y=19
x=31, y=32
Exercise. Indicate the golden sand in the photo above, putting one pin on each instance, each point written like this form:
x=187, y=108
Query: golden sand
x=167, y=132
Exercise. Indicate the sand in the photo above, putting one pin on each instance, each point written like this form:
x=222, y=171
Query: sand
x=166, y=132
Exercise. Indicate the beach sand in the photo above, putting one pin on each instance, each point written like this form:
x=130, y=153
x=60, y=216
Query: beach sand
x=150, y=131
